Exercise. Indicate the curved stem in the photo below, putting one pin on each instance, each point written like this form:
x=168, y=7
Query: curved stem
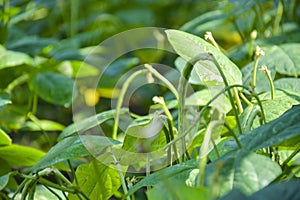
x=236, y=114
x=203, y=109
x=163, y=79
x=121, y=98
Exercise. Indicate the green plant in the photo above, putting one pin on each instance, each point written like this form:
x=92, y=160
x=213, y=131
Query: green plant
x=235, y=137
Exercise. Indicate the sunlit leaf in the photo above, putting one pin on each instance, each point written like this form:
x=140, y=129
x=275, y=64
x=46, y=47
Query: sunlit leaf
x=12, y=59
x=189, y=47
x=16, y=155
x=97, y=181
x=73, y=147
x=4, y=138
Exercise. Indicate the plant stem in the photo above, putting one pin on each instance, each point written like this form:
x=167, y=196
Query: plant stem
x=163, y=79
x=73, y=172
x=258, y=52
x=245, y=99
x=121, y=175
x=278, y=17
x=209, y=37
x=203, y=109
x=121, y=98
x=236, y=114
x=237, y=100
x=182, y=90
x=204, y=150
x=18, y=81
x=268, y=74
x=161, y=101
x=290, y=157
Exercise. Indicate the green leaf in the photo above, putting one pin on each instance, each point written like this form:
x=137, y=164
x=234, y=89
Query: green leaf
x=4, y=180
x=4, y=100
x=12, y=59
x=78, y=69
x=177, y=190
x=16, y=155
x=290, y=85
x=202, y=97
x=54, y=88
x=45, y=125
x=145, y=136
x=288, y=190
x=248, y=172
x=73, y=147
x=4, y=138
x=285, y=127
x=97, y=181
x=272, y=109
x=207, y=21
x=189, y=46
x=286, y=57
x=278, y=58
x=180, y=172
x=89, y=123
x=194, y=79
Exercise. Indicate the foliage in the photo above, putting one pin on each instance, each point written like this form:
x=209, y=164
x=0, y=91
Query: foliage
x=236, y=136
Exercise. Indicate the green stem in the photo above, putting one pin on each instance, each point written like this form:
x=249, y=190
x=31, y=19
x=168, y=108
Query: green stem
x=268, y=74
x=74, y=17
x=182, y=90
x=208, y=36
x=18, y=81
x=256, y=111
x=121, y=98
x=73, y=172
x=53, y=192
x=148, y=170
x=203, y=109
x=163, y=79
x=161, y=101
x=278, y=17
x=234, y=136
x=121, y=175
x=245, y=99
x=290, y=157
x=237, y=100
x=236, y=114
x=204, y=150
x=53, y=185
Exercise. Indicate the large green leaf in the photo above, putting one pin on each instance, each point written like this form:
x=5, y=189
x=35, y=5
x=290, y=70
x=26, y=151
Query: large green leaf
x=4, y=138
x=242, y=170
x=89, y=123
x=39, y=125
x=177, y=190
x=288, y=190
x=54, y=88
x=73, y=147
x=178, y=172
x=283, y=58
x=189, y=47
x=285, y=127
x=12, y=58
x=272, y=108
x=290, y=85
x=16, y=155
x=97, y=181
x=286, y=58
